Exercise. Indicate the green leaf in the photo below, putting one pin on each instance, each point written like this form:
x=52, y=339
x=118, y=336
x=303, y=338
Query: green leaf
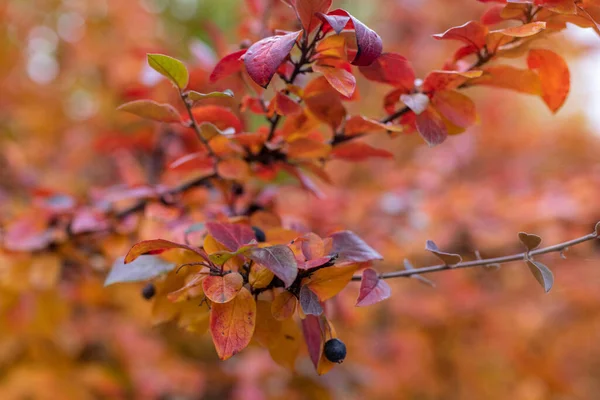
x=151, y=110
x=221, y=257
x=542, y=274
x=171, y=68
x=141, y=269
x=197, y=96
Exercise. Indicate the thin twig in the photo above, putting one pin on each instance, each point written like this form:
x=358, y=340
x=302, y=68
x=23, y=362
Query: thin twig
x=486, y=261
x=194, y=125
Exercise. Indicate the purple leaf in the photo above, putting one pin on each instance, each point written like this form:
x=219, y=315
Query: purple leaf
x=232, y=236
x=279, y=259
x=352, y=249
x=368, y=42
x=448, y=258
x=310, y=302
x=311, y=328
x=372, y=289
x=431, y=127
x=542, y=274
x=264, y=57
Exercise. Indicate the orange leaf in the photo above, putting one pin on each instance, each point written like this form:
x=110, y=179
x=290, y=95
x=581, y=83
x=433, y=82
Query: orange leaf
x=331, y=47
x=308, y=148
x=150, y=109
x=507, y=77
x=554, y=76
x=456, y=107
x=284, y=305
x=338, y=77
x=283, y=105
x=472, y=33
x=524, y=30
x=222, y=289
x=232, y=324
x=439, y=80
x=260, y=276
x=158, y=245
x=360, y=125
x=233, y=168
x=329, y=281
x=358, y=151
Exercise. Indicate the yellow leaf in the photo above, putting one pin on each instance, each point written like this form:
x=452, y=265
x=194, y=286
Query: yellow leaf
x=329, y=281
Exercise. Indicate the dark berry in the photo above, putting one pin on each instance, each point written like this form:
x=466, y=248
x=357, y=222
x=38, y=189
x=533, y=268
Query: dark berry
x=335, y=350
x=260, y=235
x=148, y=291
x=237, y=189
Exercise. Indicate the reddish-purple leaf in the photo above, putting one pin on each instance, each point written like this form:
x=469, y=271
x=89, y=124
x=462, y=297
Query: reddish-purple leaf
x=158, y=245
x=391, y=68
x=448, y=258
x=311, y=328
x=368, y=42
x=309, y=302
x=232, y=236
x=264, y=57
x=228, y=65
x=542, y=274
x=431, y=127
x=88, y=220
x=372, y=289
x=352, y=249
x=279, y=259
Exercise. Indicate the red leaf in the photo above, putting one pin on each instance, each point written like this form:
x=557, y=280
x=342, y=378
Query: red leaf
x=352, y=249
x=492, y=16
x=372, y=289
x=311, y=328
x=391, y=68
x=368, y=42
x=431, y=127
x=306, y=10
x=232, y=236
x=284, y=105
x=455, y=107
x=554, y=76
x=158, y=245
x=440, y=80
x=219, y=116
x=472, y=33
x=279, y=259
x=228, y=65
x=264, y=57
x=358, y=151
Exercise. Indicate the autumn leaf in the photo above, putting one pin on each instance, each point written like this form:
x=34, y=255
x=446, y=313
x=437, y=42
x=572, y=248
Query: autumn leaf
x=372, y=289
x=472, y=33
x=508, y=77
x=232, y=324
x=197, y=96
x=358, y=124
x=391, y=68
x=232, y=236
x=448, y=258
x=358, y=151
x=447, y=80
x=284, y=305
x=554, y=76
x=284, y=105
x=542, y=274
x=228, y=65
x=338, y=77
x=279, y=259
x=264, y=57
x=352, y=249
x=309, y=302
x=311, y=328
x=305, y=148
x=222, y=289
x=530, y=241
x=171, y=68
x=150, y=109
x=260, y=276
x=327, y=282
x=524, y=30
x=306, y=10
x=159, y=245
x=233, y=169
x=141, y=269
x=368, y=42
x=455, y=107
x=431, y=127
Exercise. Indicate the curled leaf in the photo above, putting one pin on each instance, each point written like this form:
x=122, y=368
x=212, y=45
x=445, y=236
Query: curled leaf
x=542, y=274
x=264, y=57
x=372, y=289
x=448, y=258
x=530, y=241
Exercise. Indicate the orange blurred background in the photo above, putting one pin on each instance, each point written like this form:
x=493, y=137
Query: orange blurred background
x=479, y=334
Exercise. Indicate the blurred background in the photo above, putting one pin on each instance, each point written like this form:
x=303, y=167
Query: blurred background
x=479, y=334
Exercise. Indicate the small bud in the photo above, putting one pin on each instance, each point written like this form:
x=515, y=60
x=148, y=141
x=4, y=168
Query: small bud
x=148, y=291
x=260, y=235
x=335, y=350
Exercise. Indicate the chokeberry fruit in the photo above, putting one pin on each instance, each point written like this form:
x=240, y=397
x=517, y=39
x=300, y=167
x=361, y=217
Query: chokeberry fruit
x=148, y=291
x=335, y=350
x=237, y=189
x=260, y=235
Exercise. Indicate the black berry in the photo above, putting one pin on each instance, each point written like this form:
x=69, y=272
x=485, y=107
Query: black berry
x=237, y=189
x=260, y=235
x=335, y=350
x=148, y=291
